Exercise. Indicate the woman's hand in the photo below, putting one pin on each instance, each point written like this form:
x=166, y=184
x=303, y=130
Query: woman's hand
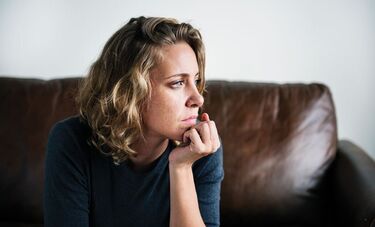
x=204, y=140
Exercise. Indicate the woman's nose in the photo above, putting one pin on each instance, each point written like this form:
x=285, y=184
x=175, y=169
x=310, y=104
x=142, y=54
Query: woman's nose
x=195, y=99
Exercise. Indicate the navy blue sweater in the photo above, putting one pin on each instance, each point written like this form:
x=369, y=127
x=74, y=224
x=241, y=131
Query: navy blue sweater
x=84, y=188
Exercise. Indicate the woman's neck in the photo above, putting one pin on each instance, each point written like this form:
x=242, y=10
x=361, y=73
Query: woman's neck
x=147, y=151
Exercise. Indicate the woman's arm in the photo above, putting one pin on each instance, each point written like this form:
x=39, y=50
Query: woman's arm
x=204, y=141
x=184, y=201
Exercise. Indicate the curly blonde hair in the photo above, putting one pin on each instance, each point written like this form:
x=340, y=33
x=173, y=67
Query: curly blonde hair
x=117, y=88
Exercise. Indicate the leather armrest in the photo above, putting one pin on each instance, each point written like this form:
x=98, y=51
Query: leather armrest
x=354, y=185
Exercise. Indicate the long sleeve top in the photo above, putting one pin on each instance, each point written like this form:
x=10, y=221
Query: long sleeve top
x=83, y=187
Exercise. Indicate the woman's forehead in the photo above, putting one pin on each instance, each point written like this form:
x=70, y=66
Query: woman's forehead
x=177, y=59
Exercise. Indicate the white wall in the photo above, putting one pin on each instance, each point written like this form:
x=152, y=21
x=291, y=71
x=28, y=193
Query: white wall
x=328, y=41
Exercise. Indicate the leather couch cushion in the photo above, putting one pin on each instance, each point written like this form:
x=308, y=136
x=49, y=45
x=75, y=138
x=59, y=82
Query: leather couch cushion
x=278, y=143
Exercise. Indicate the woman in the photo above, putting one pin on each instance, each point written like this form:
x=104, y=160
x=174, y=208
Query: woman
x=137, y=155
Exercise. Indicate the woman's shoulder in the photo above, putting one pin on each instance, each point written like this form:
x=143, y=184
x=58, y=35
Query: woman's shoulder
x=74, y=123
x=67, y=163
x=71, y=127
x=69, y=137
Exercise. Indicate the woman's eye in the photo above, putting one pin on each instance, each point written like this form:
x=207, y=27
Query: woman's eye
x=197, y=81
x=178, y=83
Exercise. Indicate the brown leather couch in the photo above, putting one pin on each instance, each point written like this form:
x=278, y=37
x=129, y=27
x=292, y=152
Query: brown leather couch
x=284, y=165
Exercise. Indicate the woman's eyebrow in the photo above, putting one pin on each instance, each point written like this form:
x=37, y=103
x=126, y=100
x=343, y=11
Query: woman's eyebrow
x=182, y=74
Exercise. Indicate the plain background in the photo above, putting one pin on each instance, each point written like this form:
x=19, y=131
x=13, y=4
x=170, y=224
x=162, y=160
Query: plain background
x=326, y=41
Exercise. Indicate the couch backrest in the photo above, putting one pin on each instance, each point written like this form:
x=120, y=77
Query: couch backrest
x=29, y=108
x=278, y=143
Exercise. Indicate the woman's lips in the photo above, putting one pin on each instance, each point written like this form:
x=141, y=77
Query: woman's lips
x=192, y=120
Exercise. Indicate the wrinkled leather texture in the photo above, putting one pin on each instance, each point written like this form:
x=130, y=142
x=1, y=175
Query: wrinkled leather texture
x=279, y=142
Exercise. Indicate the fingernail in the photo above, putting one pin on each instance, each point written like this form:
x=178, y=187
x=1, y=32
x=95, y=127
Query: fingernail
x=205, y=117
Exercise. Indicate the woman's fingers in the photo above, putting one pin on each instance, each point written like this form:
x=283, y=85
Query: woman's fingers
x=199, y=141
x=214, y=135
x=196, y=143
x=208, y=135
x=204, y=132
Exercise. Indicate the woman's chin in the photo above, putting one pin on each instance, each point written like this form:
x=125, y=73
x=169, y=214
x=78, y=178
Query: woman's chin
x=177, y=137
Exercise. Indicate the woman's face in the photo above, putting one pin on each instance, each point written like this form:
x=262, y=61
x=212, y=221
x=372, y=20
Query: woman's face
x=175, y=99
